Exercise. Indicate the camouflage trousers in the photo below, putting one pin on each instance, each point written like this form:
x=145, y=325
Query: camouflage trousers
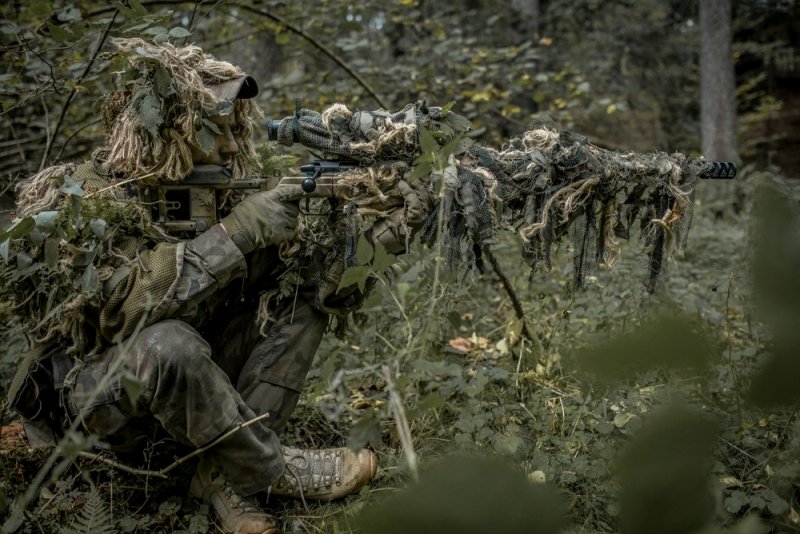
x=197, y=387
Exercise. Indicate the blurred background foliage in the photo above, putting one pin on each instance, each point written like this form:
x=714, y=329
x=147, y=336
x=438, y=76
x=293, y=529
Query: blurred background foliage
x=623, y=411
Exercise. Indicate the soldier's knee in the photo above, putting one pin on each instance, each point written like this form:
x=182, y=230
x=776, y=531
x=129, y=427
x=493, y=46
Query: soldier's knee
x=173, y=343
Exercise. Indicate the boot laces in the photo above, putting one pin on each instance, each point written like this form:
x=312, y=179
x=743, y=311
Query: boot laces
x=232, y=496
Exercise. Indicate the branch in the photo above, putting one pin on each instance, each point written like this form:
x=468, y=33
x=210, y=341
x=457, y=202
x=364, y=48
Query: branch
x=74, y=91
x=162, y=473
x=504, y=281
x=292, y=28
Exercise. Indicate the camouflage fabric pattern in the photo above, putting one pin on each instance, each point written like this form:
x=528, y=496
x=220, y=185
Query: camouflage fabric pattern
x=188, y=388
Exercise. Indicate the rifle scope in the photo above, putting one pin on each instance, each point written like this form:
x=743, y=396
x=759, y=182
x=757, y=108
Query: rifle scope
x=272, y=129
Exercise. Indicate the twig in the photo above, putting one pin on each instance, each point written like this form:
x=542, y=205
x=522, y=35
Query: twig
x=292, y=28
x=162, y=473
x=401, y=421
x=504, y=281
x=74, y=91
x=76, y=132
x=318, y=45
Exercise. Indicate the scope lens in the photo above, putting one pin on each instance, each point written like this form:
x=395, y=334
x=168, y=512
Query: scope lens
x=272, y=129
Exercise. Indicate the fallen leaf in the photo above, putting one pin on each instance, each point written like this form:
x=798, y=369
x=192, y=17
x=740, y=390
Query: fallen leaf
x=730, y=482
x=622, y=419
x=461, y=344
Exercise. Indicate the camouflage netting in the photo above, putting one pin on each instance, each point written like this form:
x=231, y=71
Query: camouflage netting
x=548, y=184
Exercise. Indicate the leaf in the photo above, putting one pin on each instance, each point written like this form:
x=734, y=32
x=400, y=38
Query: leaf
x=206, y=139
x=150, y=114
x=51, y=252
x=19, y=229
x=169, y=507
x=421, y=170
x=179, y=33
x=90, y=280
x=507, y=444
x=363, y=250
x=356, y=275
x=59, y=33
x=162, y=82
x=4, y=250
x=71, y=187
x=365, y=431
x=94, y=518
x=98, y=227
x=382, y=259
x=138, y=8
x=46, y=221
x=212, y=126
x=467, y=494
x=427, y=142
x=667, y=462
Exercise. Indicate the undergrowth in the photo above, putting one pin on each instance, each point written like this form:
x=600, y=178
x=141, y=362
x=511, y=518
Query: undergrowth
x=631, y=412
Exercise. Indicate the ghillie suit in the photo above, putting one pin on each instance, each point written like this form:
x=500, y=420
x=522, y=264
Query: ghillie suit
x=547, y=183
x=75, y=225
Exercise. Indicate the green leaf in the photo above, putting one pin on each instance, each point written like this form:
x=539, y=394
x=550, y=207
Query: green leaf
x=150, y=114
x=137, y=7
x=51, y=252
x=206, y=139
x=162, y=82
x=421, y=170
x=72, y=187
x=169, y=507
x=450, y=147
x=736, y=501
x=507, y=445
x=365, y=431
x=382, y=259
x=90, y=280
x=179, y=33
x=211, y=126
x=46, y=221
x=19, y=229
x=59, y=33
x=363, y=250
x=98, y=227
x=427, y=142
x=356, y=275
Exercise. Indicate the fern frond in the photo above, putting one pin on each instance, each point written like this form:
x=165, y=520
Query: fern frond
x=94, y=518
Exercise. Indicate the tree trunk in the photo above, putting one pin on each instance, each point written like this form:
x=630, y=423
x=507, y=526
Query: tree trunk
x=717, y=85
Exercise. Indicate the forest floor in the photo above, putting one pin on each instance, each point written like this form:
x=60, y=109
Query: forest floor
x=626, y=411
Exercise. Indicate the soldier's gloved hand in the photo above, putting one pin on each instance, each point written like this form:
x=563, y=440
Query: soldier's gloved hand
x=399, y=227
x=264, y=218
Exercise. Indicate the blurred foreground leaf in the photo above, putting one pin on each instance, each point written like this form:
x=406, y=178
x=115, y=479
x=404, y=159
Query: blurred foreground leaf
x=468, y=495
x=776, y=281
x=673, y=342
x=664, y=474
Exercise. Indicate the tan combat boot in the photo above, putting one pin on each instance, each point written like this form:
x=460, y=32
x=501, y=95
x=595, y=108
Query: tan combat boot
x=324, y=474
x=237, y=514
